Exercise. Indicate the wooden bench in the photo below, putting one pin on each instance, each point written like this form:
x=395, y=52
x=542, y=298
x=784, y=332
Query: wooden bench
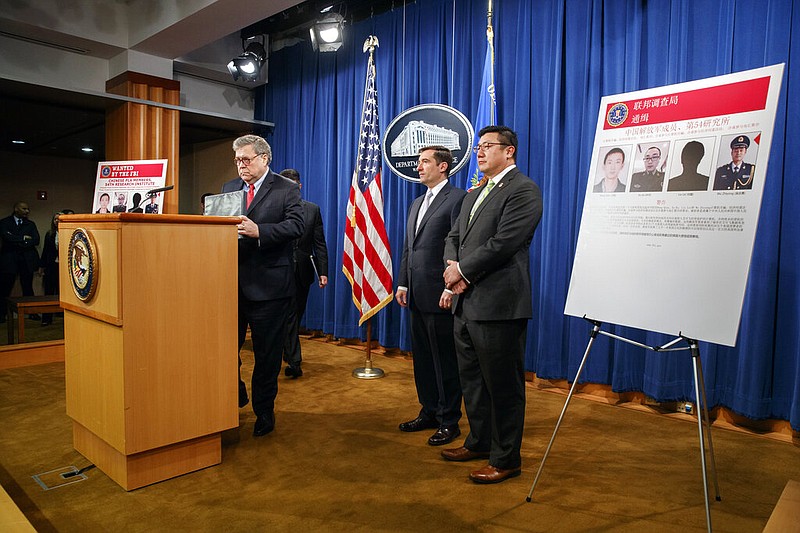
x=23, y=305
x=785, y=518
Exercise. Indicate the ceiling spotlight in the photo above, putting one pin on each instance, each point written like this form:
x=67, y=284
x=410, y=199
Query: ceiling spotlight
x=247, y=66
x=327, y=33
x=87, y=149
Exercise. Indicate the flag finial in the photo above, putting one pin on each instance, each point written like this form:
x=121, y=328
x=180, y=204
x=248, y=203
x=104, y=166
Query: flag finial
x=371, y=44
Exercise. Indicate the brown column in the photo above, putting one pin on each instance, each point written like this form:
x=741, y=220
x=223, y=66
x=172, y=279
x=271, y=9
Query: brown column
x=139, y=131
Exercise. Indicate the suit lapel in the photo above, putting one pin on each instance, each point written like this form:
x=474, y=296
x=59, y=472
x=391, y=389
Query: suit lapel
x=263, y=191
x=491, y=197
x=437, y=201
x=412, y=217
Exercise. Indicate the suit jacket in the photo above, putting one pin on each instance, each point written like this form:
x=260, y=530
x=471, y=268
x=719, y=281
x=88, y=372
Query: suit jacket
x=265, y=264
x=119, y=209
x=492, y=249
x=15, y=245
x=421, y=266
x=312, y=241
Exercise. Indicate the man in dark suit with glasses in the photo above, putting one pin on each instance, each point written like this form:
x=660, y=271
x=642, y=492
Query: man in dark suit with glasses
x=488, y=269
x=273, y=219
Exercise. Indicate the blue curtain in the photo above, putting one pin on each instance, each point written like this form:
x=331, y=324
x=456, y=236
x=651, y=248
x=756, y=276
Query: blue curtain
x=555, y=59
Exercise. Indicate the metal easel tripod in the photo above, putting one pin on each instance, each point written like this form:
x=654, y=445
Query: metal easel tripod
x=703, y=421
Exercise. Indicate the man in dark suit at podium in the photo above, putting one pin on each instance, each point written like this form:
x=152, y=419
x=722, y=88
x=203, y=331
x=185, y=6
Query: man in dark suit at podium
x=18, y=255
x=421, y=289
x=489, y=272
x=273, y=219
x=310, y=265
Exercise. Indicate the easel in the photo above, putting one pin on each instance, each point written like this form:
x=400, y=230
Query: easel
x=702, y=404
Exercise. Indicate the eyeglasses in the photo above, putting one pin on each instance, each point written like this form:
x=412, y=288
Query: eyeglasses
x=486, y=146
x=652, y=157
x=245, y=160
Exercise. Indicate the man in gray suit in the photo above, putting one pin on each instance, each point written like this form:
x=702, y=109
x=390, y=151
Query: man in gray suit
x=488, y=269
x=273, y=219
x=421, y=289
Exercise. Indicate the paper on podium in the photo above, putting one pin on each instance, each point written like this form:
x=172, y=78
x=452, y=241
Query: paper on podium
x=226, y=204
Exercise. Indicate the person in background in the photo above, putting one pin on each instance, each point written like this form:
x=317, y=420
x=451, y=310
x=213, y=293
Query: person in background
x=48, y=266
x=18, y=255
x=310, y=264
x=203, y=202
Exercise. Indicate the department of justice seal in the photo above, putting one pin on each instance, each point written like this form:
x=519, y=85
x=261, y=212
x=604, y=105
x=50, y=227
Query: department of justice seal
x=426, y=125
x=82, y=260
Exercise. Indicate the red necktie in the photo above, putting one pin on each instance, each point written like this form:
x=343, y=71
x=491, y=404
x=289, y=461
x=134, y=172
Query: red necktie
x=251, y=191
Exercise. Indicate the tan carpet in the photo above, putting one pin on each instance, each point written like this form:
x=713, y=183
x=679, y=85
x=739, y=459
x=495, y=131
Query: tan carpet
x=336, y=462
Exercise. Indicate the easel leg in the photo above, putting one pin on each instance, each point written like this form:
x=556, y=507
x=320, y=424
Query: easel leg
x=703, y=419
x=593, y=336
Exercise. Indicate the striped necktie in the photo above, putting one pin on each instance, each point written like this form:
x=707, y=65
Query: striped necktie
x=481, y=197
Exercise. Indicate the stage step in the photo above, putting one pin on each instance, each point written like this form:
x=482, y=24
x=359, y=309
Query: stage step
x=11, y=518
x=785, y=518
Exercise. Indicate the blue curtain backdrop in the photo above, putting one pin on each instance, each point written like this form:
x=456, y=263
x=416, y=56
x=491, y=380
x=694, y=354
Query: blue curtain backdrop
x=555, y=59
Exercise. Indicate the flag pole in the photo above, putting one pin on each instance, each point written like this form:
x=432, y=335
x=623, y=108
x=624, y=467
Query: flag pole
x=490, y=46
x=368, y=371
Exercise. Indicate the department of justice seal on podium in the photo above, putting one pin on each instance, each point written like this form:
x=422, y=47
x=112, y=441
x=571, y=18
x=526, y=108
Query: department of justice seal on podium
x=82, y=260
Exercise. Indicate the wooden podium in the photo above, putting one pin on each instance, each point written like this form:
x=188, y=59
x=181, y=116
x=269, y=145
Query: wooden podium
x=150, y=357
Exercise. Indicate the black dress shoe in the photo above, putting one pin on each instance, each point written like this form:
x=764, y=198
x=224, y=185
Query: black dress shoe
x=418, y=424
x=264, y=425
x=444, y=435
x=293, y=371
x=243, y=399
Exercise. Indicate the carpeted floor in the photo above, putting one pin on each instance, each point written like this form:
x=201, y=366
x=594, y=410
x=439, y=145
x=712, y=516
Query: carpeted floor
x=336, y=462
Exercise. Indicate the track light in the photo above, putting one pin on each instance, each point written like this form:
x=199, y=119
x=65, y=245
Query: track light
x=327, y=33
x=247, y=66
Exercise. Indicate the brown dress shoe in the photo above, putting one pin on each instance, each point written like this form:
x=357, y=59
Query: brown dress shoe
x=492, y=474
x=463, y=454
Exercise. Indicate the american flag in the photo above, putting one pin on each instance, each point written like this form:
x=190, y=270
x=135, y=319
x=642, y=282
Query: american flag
x=367, y=261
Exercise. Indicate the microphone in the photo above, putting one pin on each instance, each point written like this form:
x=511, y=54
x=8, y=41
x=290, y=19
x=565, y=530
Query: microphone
x=153, y=192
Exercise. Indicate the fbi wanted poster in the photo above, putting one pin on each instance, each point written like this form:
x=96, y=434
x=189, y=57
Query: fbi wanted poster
x=671, y=205
x=122, y=186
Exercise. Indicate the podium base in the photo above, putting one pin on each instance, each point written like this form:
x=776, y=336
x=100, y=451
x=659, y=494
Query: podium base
x=151, y=466
x=368, y=373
